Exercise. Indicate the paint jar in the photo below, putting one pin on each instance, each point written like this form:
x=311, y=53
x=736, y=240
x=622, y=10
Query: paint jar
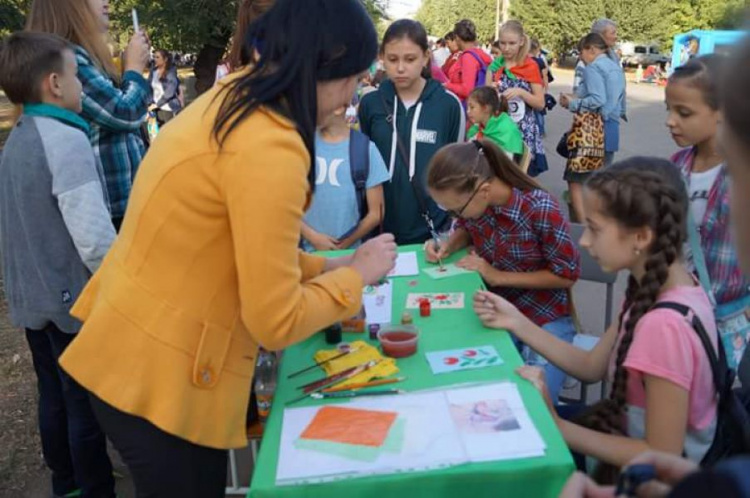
x=333, y=334
x=373, y=329
x=424, y=308
x=399, y=341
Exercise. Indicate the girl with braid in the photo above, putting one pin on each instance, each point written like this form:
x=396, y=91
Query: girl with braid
x=662, y=395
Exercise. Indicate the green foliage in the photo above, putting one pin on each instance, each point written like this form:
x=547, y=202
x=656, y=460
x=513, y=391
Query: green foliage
x=12, y=15
x=559, y=24
x=439, y=16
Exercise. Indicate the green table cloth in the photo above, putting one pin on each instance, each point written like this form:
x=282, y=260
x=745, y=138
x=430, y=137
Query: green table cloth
x=443, y=330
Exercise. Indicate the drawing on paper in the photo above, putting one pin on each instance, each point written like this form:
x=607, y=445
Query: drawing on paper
x=447, y=300
x=483, y=417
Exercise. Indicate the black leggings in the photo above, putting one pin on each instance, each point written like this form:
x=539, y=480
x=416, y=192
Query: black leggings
x=162, y=465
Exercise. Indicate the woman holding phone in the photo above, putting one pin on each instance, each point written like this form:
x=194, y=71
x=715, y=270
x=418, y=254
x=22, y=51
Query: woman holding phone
x=115, y=102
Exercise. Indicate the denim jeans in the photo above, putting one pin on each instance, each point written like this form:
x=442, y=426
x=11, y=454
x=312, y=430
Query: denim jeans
x=540, y=122
x=73, y=444
x=562, y=328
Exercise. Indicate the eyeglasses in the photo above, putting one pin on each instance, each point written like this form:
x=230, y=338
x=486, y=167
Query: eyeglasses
x=457, y=214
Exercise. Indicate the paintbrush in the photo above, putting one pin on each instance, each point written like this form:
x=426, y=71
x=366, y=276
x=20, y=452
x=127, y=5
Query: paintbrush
x=312, y=367
x=436, y=238
x=373, y=383
x=354, y=394
x=347, y=374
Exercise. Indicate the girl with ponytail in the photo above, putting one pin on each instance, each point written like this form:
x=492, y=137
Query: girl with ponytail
x=522, y=247
x=662, y=395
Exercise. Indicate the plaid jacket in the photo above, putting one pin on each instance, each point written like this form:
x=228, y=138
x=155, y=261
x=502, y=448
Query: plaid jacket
x=727, y=280
x=115, y=115
x=526, y=235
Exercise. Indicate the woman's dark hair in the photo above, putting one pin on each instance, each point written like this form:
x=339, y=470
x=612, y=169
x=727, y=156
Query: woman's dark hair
x=496, y=44
x=734, y=91
x=466, y=30
x=462, y=166
x=704, y=74
x=450, y=36
x=247, y=12
x=414, y=32
x=300, y=43
x=593, y=40
x=488, y=96
x=639, y=192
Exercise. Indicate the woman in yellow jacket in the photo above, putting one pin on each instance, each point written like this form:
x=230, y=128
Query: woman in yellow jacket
x=206, y=267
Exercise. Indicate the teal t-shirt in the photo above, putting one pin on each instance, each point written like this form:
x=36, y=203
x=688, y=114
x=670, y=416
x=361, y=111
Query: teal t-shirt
x=334, y=209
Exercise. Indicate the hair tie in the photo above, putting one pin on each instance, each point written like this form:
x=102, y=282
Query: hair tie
x=479, y=146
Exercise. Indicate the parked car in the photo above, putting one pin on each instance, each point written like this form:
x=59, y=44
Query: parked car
x=644, y=54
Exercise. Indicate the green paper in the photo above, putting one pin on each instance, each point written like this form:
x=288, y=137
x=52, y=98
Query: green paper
x=392, y=444
x=451, y=270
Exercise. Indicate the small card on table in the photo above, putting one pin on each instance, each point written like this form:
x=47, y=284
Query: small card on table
x=463, y=359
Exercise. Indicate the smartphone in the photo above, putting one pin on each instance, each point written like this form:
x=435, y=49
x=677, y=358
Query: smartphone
x=136, y=25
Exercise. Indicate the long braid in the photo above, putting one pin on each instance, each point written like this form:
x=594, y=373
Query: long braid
x=646, y=196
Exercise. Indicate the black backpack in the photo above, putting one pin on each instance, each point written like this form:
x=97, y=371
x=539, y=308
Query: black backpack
x=733, y=410
x=359, y=164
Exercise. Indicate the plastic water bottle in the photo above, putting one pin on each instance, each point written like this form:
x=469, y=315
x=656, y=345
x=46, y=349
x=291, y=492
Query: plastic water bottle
x=265, y=383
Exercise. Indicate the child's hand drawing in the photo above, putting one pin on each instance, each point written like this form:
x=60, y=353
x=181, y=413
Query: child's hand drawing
x=472, y=262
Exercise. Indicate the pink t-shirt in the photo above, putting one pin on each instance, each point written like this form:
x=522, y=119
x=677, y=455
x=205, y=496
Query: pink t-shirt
x=666, y=346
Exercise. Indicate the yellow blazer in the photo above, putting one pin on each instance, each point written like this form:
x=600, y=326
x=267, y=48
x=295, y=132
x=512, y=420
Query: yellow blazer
x=205, y=269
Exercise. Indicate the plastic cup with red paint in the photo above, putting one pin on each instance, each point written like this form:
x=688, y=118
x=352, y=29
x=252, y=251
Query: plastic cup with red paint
x=399, y=341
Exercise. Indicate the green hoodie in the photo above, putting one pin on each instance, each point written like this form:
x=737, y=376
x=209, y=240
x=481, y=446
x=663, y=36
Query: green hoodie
x=440, y=121
x=503, y=131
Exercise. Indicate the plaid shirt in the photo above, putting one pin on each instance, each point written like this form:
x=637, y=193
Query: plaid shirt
x=727, y=280
x=528, y=234
x=115, y=115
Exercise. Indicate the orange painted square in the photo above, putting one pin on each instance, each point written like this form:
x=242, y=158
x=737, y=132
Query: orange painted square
x=350, y=426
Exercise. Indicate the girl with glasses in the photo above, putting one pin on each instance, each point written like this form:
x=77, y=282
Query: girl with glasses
x=521, y=245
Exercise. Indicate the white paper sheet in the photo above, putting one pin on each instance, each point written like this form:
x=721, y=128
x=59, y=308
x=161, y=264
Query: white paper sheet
x=406, y=265
x=430, y=442
x=378, y=302
x=443, y=428
x=493, y=423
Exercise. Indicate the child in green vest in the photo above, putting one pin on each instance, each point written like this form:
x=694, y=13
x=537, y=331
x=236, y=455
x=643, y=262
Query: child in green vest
x=489, y=114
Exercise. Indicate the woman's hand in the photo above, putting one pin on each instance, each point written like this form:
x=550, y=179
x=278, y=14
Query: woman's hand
x=565, y=99
x=538, y=378
x=497, y=313
x=375, y=258
x=432, y=255
x=473, y=262
x=137, y=53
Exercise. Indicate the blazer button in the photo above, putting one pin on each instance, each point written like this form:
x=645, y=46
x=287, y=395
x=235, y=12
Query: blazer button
x=206, y=376
x=348, y=297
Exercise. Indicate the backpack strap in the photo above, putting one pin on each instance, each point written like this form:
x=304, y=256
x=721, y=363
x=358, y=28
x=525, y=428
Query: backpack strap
x=482, y=67
x=359, y=163
x=719, y=367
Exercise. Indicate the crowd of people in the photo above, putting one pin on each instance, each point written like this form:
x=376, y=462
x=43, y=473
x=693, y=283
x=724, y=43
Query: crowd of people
x=146, y=276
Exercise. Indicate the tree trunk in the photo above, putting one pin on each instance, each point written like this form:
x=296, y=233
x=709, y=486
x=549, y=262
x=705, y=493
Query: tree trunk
x=205, y=66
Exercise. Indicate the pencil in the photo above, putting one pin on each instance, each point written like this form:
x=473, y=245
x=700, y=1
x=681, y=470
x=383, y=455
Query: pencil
x=373, y=383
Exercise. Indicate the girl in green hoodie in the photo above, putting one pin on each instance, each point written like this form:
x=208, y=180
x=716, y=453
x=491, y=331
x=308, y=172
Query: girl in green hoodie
x=409, y=118
x=489, y=113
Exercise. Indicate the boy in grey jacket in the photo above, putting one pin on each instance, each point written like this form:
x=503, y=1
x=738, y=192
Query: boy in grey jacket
x=55, y=229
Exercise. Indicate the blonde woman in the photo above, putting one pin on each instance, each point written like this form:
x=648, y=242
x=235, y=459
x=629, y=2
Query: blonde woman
x=114, y=104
